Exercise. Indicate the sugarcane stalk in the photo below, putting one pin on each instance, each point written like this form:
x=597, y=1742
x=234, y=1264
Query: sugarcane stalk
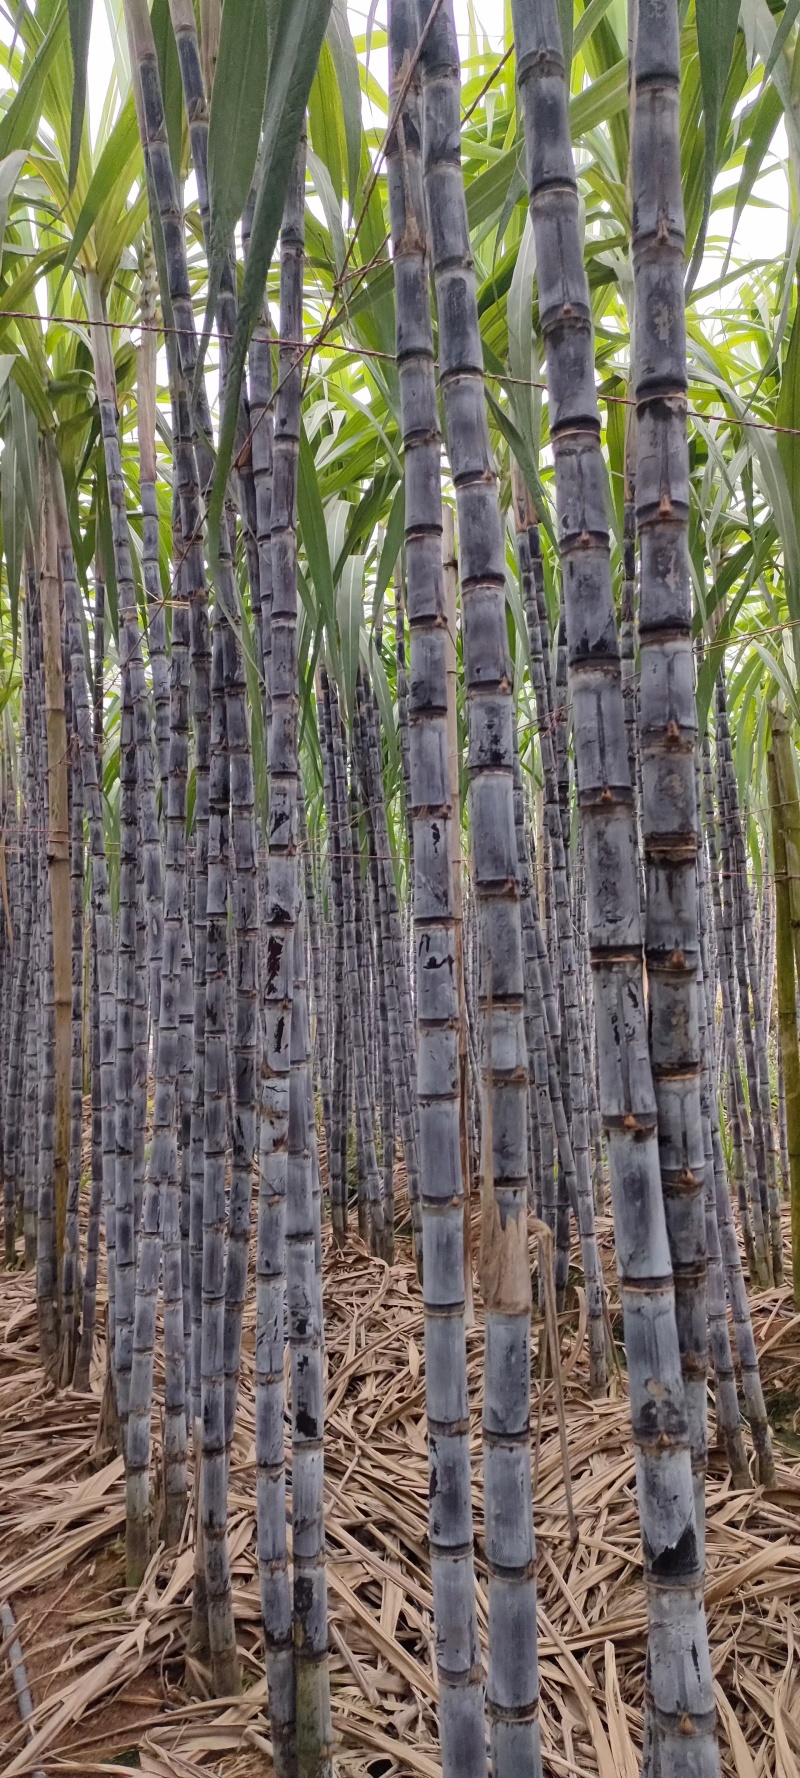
x=513, y=1680
x=58, y=879
x=679, y=1678
x=450, y=1529
x=567, y=974
x=780, y=780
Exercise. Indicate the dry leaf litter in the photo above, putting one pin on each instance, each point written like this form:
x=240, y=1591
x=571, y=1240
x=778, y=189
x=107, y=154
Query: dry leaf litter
x=107, y=1670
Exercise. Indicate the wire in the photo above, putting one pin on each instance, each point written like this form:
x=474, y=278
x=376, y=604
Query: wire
x=321, y=339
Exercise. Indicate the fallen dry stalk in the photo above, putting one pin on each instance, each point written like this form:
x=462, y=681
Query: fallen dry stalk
x=16, y=1661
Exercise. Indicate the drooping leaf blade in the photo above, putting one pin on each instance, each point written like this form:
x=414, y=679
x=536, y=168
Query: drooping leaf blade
x=791, y=12
x=787, y=415
x=169, y=71
x=326, y=122
x=762, y=129
x=234, y=129
x=311, y=519
x=345, y=61
x=18, y=123
x=121, y=152
x=295, y=47
x=350, y=614
x=80, y=24
x=26, y=443
x=717, y=22
x=12, y=509
x=10, y=170
x=522, y=355
x=566, y=13
x=392, y=544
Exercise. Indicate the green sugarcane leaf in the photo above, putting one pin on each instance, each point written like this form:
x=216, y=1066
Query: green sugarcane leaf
x=117, y=161
x=715, y=649
x=588, y=22
x=791, y=12
x=295, y=47
x=234, y=130
x=760, y=32
x=80, y=24
x=333, y=212
x=311, y=521
x=776, y=667
x=30, y=383
x=26, y=440
x=526, y=462
x=345, y=61
x=18, y=124
x=717, y=22
x=336, y=518
x=385, y=705
x=350, y=613
x=566, y=14
x=105, y=546
x=601, y=101
x=169, y=70
x=363, y=519
x=392, y=545
x=763, y=124
x=787, y=414
x=10, y=170
x=325, y=120
x=522, y=354
x=14, y=517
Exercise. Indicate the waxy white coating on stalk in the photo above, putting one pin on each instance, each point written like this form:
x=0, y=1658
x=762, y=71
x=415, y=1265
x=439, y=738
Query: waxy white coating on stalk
x=371, y=1206
x=20, y=998
x=512, y=1678
x=740, y=1126
x=103, y=1018
x=682, y=1701
x=54, y=1154
x=450, y=1530
x=398, y=997
x=667, y=706
x=753, y=1030
x=567, y=976
x=337, y=1159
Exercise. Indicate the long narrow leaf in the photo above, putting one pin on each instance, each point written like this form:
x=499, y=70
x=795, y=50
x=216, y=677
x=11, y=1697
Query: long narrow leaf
x=234, y=127
x=12, y=508
x=392, y=544
x=18, y=123
x=311, y=520
x=80, y=24
x=717, y=22
x=169, y=72
x=118, y=160
x=299, y=32
x=345, y=62
x=791, y=12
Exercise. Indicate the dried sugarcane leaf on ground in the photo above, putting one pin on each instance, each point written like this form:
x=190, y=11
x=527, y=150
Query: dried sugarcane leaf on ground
x=106, y=1668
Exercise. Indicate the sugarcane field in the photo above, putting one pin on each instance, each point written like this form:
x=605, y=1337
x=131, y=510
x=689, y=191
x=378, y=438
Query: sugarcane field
x=400, y=888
